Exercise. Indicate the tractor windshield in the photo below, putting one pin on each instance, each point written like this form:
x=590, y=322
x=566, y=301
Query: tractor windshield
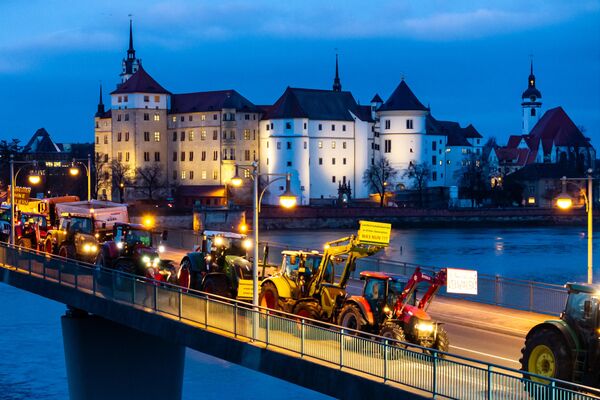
x=139, y=236
x=80, y=224
x=243, y=267
x=395, y=289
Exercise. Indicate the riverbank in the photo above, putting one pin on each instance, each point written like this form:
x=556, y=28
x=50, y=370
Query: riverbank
x=301, y=218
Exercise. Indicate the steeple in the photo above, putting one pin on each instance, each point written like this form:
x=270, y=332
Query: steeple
x=337, y=86
x=100, y=110
x=130, y=64
x=531, y=103
x=130, y=51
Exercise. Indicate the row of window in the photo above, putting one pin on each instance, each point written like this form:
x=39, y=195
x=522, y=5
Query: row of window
x=190, y=175
x=125, y=99
x=388, y=124
x=288, y=125
x=288, y=145
x=226, y=117
x=191, y=156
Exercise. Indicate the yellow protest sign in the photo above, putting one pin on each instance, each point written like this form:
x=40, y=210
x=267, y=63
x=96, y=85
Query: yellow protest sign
x=374, y=233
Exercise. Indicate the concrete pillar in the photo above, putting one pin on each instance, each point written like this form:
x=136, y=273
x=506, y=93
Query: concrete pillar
x=106, y=360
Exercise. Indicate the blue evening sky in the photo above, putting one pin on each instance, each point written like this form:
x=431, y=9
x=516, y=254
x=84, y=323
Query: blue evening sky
x=468, y=59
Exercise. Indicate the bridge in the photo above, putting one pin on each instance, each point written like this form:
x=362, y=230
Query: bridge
x=121, y=329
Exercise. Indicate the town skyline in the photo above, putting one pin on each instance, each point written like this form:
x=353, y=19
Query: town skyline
x=474, y=75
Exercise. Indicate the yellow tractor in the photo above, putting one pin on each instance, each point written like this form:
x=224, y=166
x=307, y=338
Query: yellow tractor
x=313, y=285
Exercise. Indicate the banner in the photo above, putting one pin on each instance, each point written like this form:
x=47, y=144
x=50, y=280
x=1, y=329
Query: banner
x=374, y=233
x=462, y=281
x=21, y=195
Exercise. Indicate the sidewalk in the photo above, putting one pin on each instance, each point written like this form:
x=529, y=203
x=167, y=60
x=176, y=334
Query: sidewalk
x=484, y=316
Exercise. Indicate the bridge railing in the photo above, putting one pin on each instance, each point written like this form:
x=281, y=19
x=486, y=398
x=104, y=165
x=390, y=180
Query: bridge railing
x=428, y=370
x=519, y=294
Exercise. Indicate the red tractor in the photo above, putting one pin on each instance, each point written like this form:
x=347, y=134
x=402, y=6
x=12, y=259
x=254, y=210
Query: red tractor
x=388, y=307
x=31, y=230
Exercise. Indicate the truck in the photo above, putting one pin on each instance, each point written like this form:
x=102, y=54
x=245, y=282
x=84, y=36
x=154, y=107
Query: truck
x=318, y=292
x=567, y=348
x=82, y=226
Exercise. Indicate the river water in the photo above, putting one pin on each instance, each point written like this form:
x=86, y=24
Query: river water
x=31, y=351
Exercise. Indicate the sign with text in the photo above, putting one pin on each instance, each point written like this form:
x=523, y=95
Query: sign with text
x=22, y=195
x=374, y=233
x=463, y=281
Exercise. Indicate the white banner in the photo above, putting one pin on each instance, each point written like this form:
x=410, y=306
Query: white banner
x=463, y=281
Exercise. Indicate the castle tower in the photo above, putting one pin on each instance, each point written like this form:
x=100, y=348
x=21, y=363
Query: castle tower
x=531, y=104
x=337, y=85
x=130, y=65
x=100, y=111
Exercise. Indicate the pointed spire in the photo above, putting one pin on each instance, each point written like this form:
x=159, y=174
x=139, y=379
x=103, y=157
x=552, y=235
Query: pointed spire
x=531, y=66
x=337, y=86
x=130, y=51
x=100, y=110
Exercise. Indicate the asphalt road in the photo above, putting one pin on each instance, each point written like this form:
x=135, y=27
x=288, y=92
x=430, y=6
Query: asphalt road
x=486, y=343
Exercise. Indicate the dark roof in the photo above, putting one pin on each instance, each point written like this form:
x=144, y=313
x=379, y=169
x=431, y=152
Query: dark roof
x=364, y=113
x=515, y=156
x=315, y=104
x=41, y=142
x=533, y=172
x=141, y=82
x=402, y=99
x=556, y=128
x=376, y=99
x=105, y=114
x=471, y=132
x=457, y=136
x=531, y=92
x=514, y=140
x=210, y=101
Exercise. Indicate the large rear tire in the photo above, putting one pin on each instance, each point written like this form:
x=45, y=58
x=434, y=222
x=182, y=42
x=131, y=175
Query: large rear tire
x=269, y=296
x=216, y=284
x=308, y=309
x=48, y=245
x=546, y=353
x=442, y=343
x=396, y=334
x=351, y=318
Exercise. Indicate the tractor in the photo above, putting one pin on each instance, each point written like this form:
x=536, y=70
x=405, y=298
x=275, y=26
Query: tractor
x=77, y=236
x=318, y=291
x=388, y=307
x=31, y=230
x=131, y=250
x=568, y=348
x=219, y=265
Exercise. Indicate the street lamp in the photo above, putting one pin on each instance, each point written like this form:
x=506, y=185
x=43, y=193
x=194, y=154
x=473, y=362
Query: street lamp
x=565, y=202
x=286, y=200
x=74, y=171
x=34, y=178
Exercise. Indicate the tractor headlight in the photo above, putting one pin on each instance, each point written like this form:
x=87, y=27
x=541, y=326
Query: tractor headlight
x=93, y=248
x=86, y=247
x=424, y=327
x=90, y=248
x=156, y=261
x=161, y=248
x=146, y=260
x=119, y=245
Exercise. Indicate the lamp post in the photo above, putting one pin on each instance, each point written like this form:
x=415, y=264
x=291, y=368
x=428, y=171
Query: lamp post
x=34, y=179
x=565, y=202
x=74, y=171
x=286, y=200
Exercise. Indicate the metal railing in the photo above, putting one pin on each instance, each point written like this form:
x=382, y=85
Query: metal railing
x=428, y=370
x=519, y=294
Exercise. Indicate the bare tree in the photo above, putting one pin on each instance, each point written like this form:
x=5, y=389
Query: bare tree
x=149, y=180
x=101, y=174
x=121, y=175
x=378, y=176
x=419, y=174
x=473, y=179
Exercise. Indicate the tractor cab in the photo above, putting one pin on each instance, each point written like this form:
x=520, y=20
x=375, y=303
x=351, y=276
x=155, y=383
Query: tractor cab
x=382, y=291
x=299, y=267
x=128, y=236
x=582, y=312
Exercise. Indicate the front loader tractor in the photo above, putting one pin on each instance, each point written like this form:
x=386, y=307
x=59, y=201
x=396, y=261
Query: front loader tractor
x=388, y=307
x=567, y=348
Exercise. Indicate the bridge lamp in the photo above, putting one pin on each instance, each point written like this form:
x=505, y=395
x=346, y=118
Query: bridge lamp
x=148, y=221
x=564, y=201
x=73, y=170
x=236, y=181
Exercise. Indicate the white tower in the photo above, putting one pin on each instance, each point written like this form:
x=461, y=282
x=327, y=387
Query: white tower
x=531, y=104
x=130, y=65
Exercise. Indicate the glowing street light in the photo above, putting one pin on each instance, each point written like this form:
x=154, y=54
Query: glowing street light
x=565, y=202
x=74, y=171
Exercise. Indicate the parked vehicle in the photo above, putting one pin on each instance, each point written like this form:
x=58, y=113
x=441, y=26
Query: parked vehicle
x=131, y=250
x=388, y=307
x=318, y=291
x=568, y=348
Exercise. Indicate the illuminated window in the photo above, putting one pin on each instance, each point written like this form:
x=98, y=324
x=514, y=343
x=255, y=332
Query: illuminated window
x=174, y=118
x=191, y=136
x=320, y=144
x=203, y=117
x=183, y=174
x=215, y=174
x=157, y=117
x=203, y=174
x=157, y=136
x=333, y=144
x=203, y=134
x=246, y=134
x=156, y=99
x=127, y=156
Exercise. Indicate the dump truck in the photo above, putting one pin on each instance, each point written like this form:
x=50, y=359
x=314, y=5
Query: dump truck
x=567, y=348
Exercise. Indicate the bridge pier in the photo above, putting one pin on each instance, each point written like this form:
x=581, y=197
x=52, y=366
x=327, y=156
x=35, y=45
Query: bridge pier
x=106, y=360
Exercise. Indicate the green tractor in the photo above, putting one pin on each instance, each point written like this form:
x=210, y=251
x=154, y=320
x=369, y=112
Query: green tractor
x=568, y=348
x=313, y=285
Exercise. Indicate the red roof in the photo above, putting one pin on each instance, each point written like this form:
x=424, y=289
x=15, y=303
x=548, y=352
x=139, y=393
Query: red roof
x=141, y=82
x=507, y=155
x=556, y=128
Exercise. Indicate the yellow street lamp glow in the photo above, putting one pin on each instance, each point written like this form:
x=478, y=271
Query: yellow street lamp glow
x=74, y=171
x=148, y=221
x=236, y=180
x=287, y=199
x=247, y=244
x=564, y=201
x=34, y=178
x=243, y=228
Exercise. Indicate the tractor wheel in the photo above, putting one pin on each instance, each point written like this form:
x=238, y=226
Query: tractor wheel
x=442, y=343
x=48, y=245
x=395, y=332
x=269, y=296
x=216, y=284
x=351, y=318
x=25, y=242
x=546, y=353
x=67, y=251
x=308, y=309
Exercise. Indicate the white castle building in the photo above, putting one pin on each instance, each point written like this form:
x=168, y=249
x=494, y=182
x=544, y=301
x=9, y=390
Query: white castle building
x=324, y=138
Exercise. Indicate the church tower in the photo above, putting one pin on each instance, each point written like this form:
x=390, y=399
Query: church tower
x=130, y=64
x=531, y=104
x=337, y=85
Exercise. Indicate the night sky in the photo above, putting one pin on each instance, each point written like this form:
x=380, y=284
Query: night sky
x=469, y=60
